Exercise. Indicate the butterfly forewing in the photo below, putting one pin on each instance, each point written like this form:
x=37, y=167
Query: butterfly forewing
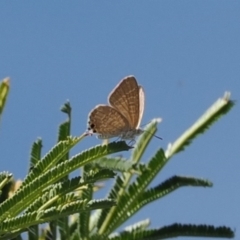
x=125, y=98
x=107, y=122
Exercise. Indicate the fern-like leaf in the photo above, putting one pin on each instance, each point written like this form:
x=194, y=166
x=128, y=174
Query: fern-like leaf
x=66, y=108
x=175, y=230
x=30, y=191
x=63, y=134
x=35, y=155
x=217, y=110
x=122, y=211
x=144, y=140
x=51, y=158
x=26, y=220
x=4, y=90
x=167, y=187
x=114, y=163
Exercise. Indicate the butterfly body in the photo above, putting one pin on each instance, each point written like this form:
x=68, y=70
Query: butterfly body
x=122, y=117
x=129, y=134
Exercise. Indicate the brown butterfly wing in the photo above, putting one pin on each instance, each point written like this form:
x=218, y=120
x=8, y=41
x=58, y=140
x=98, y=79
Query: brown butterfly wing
x=126, y=99
x=107, y=122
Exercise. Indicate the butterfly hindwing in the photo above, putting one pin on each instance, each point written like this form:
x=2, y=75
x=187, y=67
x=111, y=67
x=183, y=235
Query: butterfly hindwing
x=107, y=121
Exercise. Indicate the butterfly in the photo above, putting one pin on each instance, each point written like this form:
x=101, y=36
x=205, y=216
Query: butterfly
x=122, y=117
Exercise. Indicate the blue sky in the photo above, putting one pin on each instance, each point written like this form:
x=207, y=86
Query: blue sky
x=185, y=54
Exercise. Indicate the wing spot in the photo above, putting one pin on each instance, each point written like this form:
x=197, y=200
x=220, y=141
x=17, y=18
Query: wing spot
x=91, y=126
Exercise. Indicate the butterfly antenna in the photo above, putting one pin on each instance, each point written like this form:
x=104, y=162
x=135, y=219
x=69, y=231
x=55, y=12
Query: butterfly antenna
x=152, y=134
x=157, y=137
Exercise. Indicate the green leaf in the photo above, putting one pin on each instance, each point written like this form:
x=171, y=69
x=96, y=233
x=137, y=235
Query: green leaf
x=175, y=230
x=34, y=188
x=128, y=199
x=4, y=90
x=114, y=163
x=66, y=108
x=216, y=111
x=35, y=155
x=51, y=158
x=144, y=140
x=167, y=187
